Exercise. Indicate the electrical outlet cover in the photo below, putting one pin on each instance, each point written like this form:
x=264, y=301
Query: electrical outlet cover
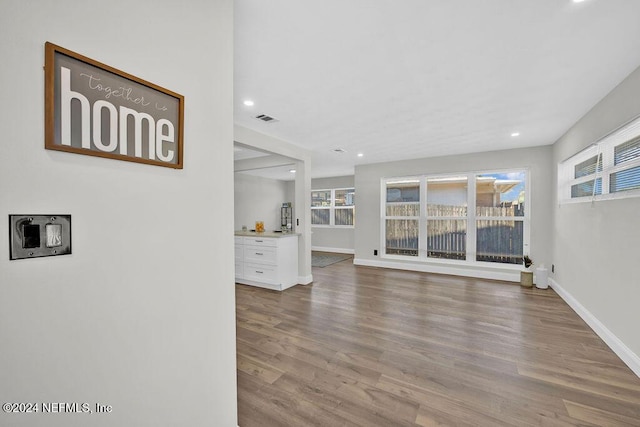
x=35, y=236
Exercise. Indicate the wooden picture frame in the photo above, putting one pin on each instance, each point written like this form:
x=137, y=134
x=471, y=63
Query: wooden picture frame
x=97, y=110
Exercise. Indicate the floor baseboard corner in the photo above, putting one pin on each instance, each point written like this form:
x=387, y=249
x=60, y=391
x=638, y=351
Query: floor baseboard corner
x=305, y=280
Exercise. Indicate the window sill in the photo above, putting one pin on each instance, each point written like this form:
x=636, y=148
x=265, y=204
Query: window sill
x=454, y=263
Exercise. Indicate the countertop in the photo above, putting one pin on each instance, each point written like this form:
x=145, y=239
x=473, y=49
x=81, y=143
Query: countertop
x=264, y=234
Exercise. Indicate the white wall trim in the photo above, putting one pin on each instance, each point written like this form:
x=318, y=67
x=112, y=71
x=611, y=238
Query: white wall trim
x=336, y=250
x=628, y=357
x=305, y=280
x=510, y=276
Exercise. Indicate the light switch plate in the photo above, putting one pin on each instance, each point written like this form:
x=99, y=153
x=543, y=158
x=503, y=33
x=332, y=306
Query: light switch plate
x=35, y=236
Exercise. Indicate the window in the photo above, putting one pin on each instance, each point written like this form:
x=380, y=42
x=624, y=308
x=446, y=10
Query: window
x=333, y=208
x=321, y=207
x=447, y=217
x=344, y=202
x=627, y=154
x=608, y=169
x=500, y=216
x=402, y=212
x=429, y=217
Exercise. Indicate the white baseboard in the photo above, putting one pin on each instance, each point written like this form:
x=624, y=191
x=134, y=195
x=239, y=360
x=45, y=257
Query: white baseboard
x=265, y=285
x=628, y=357
x=509, y=276
x=305, y=280
x=336, y=250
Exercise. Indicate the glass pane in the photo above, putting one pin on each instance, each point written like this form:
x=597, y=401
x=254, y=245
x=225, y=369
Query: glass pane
x=402, y=237
x=403, y=191
x=403, y=198
x=500, y=241
x=628, y=151
x=588, y=167
x=344, y=216
x=500, y=194
x=447, y=196
x=345, y=197
x=625, y=180
x=403, y=209
x=585, y=189
x=320, y=216
x=447, y=238
x=320, y=198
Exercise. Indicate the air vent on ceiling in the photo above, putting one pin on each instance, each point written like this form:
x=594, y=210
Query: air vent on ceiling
x=339, y=150
x=266, y=119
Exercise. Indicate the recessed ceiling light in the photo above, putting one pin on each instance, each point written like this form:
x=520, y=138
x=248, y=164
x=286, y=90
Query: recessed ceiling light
x=360, y=154
x=578, y=1
x=292, y=170
x=248, y=103
x=515, y=134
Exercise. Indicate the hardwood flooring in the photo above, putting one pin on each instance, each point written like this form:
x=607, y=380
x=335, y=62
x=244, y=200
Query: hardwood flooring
x=365, y=346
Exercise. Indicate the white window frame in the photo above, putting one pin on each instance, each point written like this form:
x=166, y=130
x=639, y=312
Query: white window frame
x=332, y=209
x=384, y=217
x=426, y=217
x=605, y=146
x=472, y=218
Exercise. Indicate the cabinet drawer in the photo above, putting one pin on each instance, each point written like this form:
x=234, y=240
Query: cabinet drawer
x=239, y=240
x=239, y=269
x=260, y=273
x=239, y=253
x=260, y=241
x=260, y=255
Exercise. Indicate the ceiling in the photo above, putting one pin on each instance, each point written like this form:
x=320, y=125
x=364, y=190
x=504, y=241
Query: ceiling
x=243, y=157
x=396, y=80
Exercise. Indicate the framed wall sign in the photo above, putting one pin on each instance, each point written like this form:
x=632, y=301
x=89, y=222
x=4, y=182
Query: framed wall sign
x=97, y=110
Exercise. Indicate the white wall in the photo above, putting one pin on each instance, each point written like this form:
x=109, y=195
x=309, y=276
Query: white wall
x=368, y=226
x=291, y=192
x=142, y=315
x=259, y=199
x=595, y=248
x=333, y=239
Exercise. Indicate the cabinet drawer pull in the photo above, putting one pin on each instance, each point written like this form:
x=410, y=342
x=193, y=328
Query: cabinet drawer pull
x=259, y=272
x=259, y=253
x=258, y=241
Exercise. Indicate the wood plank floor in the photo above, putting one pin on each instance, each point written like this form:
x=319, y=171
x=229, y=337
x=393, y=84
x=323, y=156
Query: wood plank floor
x=365, y=346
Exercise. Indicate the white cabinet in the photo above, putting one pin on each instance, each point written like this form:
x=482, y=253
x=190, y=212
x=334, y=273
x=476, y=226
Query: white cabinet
x=268, y=262
x=239, y=256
